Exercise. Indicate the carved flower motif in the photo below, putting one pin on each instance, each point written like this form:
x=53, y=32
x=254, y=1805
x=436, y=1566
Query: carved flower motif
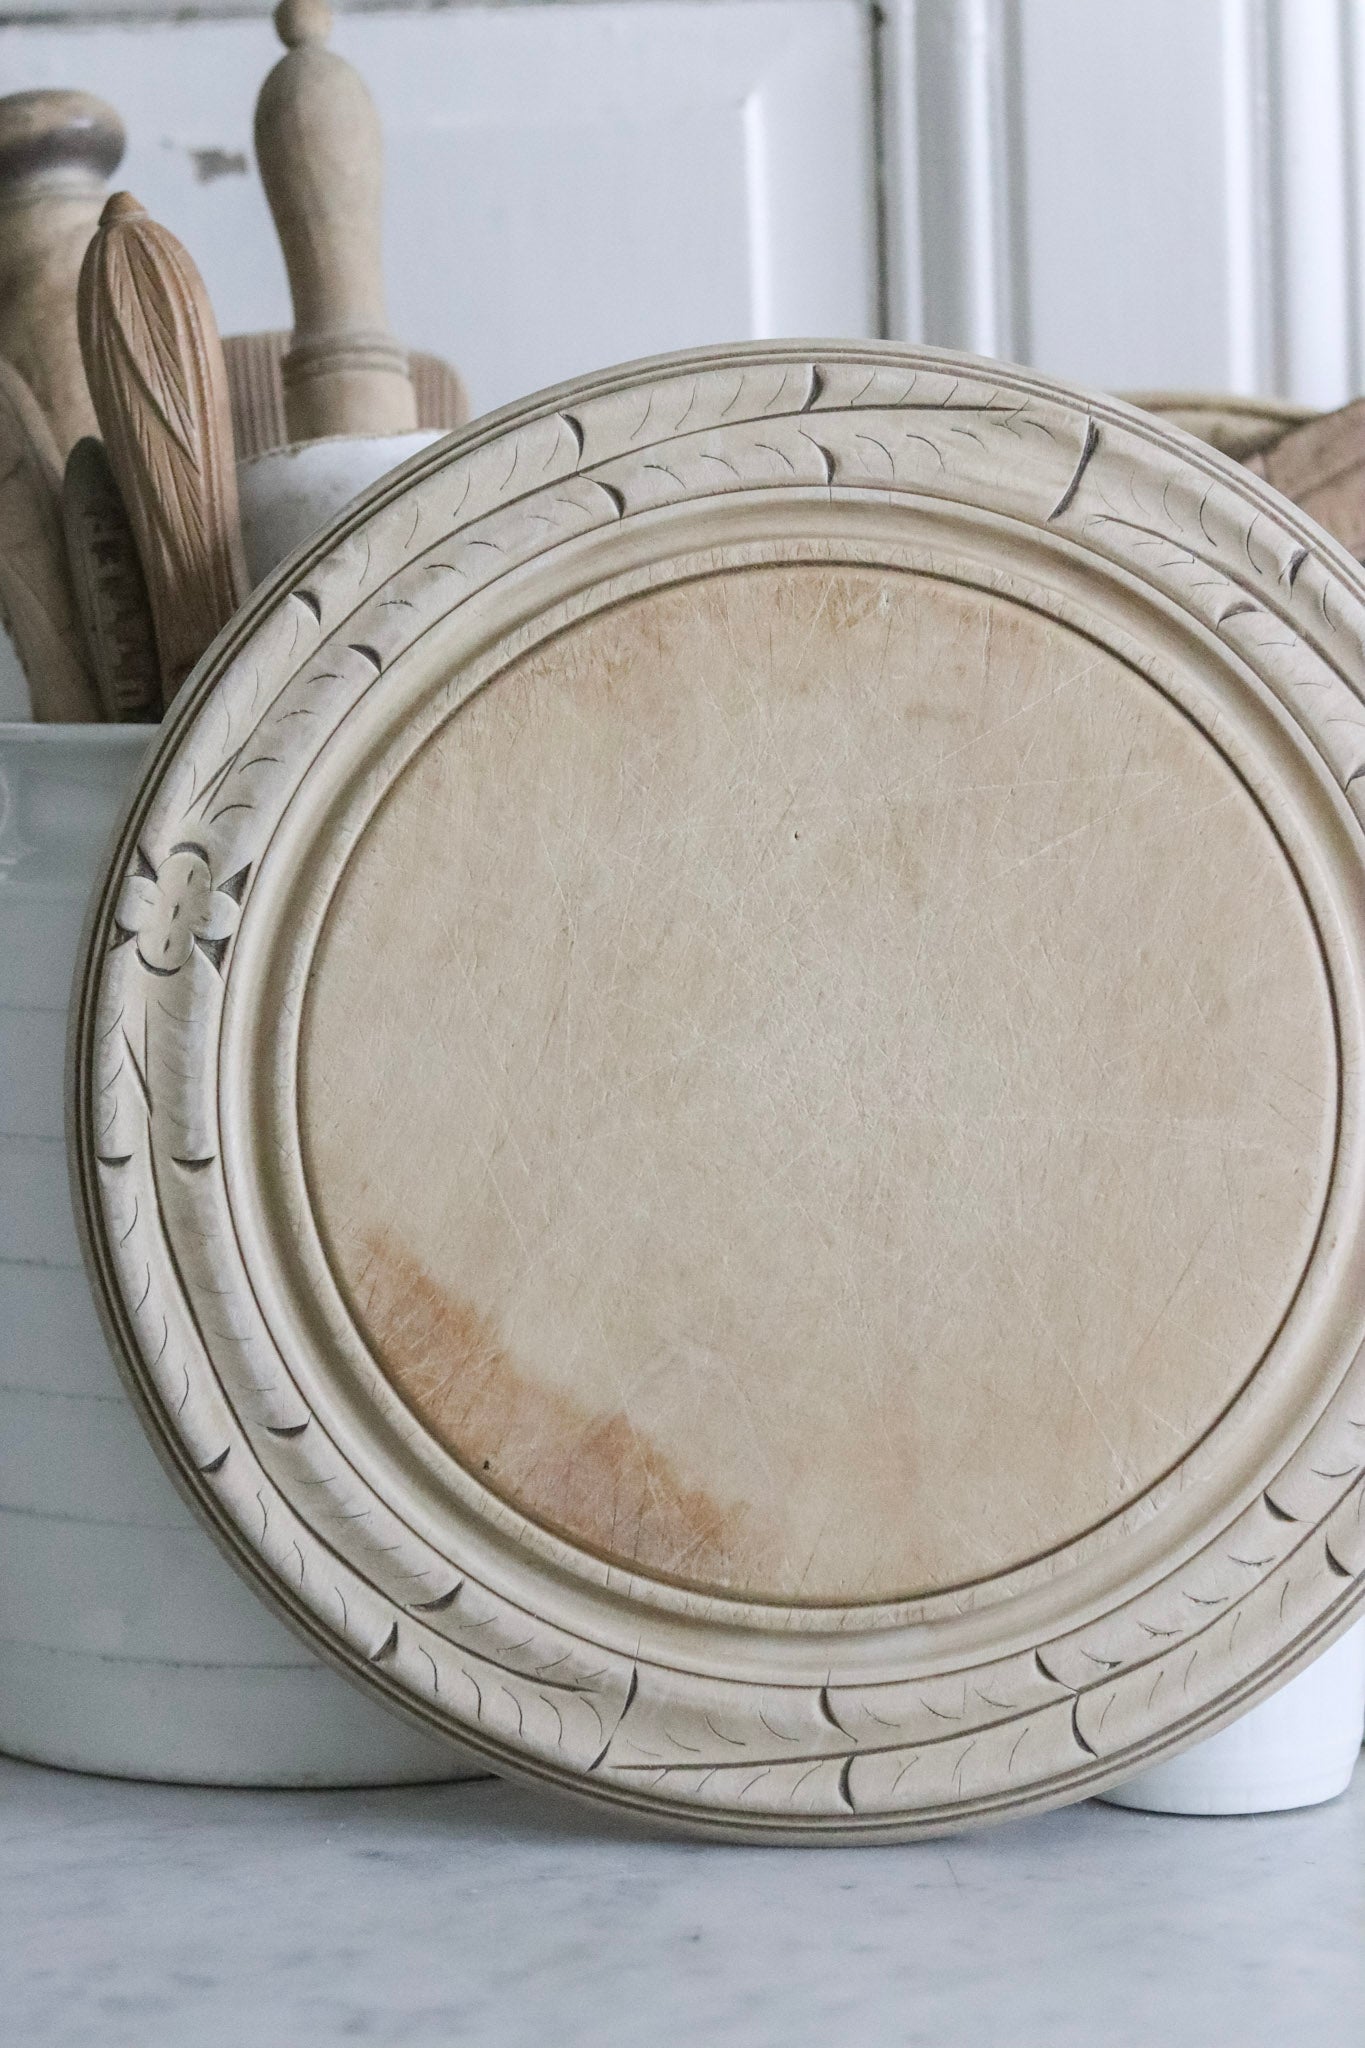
x=171, y=909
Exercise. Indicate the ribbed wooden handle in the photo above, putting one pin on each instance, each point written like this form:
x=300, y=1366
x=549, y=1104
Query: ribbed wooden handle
x=155, y=365
x=109, y=587
x=56, y=150
x=320, y=153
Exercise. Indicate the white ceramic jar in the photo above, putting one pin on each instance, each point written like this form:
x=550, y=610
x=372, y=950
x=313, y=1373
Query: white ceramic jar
x=1298, y=1748
x=194, y=1679
x=287, y=493
x=128, y=1644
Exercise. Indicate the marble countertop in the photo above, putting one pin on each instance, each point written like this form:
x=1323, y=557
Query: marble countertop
x=155, y=1915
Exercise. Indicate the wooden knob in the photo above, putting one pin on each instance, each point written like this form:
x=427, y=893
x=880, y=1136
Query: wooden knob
x=302, y=21
x=155, y=364
x=56, y=151
x=319, y=148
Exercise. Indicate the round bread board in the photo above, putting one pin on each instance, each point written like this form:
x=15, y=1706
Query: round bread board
x=717, y=1090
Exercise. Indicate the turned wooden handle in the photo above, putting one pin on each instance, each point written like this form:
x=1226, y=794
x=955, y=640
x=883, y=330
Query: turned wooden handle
x=155, y=365
x=36, y=598
x=319, y=148
x=56, y=150
x=254, y=378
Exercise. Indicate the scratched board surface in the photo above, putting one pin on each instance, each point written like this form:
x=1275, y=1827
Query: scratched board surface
x=784, y=999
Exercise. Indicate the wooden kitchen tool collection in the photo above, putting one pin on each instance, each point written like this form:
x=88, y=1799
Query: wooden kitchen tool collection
x=120, y=562
x=121, y=557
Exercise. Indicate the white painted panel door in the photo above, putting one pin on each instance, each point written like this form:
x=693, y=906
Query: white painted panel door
x=567, y=186
x=1133, y=193
x=1189, y=217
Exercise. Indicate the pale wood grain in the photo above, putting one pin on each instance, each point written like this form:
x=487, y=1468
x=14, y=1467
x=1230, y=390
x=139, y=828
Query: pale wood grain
x=256, y=391
x=722, y=1105
x=155, y=365
x=319, y=148
x=56, y=151
x=110, y=588
x=796, y=956
x=36, y=598
x=1240, y=427
x=1320, y=464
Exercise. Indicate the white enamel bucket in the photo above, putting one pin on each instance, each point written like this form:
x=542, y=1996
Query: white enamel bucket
x=1298, y=1748
x=128, y=1644
x=287, y=493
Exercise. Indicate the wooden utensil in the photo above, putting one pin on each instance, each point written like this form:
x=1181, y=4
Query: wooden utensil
x=770, y=1229
x=56, y=151
x=1316, y=459
x=155, y=365
x=319, y=147
x=1320, y=464
x=1241, y=427
x=110, y=588
x=36, y=596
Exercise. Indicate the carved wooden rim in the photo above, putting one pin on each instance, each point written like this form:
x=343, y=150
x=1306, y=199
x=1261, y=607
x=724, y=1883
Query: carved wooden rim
x=792, y=1723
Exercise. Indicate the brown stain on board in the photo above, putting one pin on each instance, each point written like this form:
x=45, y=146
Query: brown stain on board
x=590, y=1476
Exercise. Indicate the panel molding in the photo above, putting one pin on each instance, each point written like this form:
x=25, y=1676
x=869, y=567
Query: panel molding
x=988, y=109
x=1292, y=140
x=956, y=170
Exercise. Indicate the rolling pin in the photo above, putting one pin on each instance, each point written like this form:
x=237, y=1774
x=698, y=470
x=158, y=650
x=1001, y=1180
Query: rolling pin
x=154, y=362
x=319, y=148
x=56, y=151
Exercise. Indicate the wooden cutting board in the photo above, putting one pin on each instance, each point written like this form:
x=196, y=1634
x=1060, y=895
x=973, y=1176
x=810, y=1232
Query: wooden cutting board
x=719, y=1090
